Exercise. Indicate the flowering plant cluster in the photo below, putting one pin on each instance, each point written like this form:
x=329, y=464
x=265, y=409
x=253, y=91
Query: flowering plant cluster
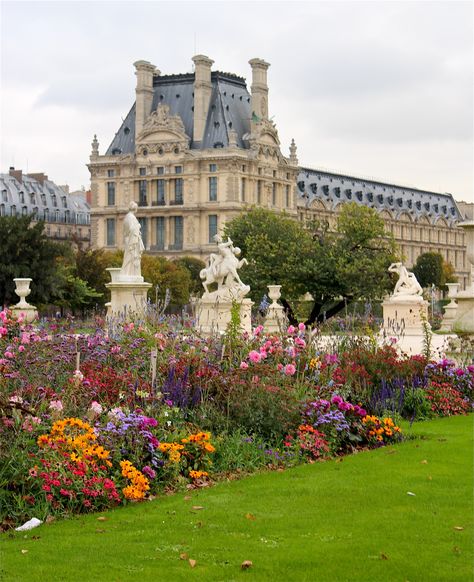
x=445, y=400
x=381, y=431
x=309, y=442
x=191, y=454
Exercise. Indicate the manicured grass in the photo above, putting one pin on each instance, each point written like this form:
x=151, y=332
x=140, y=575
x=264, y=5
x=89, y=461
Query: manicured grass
x=338, y=521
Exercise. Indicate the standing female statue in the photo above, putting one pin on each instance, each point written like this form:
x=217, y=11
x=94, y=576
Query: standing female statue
x=133, y=243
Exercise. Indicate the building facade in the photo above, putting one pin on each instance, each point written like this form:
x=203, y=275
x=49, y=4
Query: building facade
x=66, y=215
x=195, y=149
x=192, y=152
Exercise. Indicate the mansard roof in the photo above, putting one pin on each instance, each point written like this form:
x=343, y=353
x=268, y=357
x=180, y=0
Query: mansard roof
x=44, y=200
x=334, y=189
x=229, y=109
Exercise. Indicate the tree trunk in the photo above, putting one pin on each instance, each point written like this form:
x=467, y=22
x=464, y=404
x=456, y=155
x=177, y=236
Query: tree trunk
x=289, y=312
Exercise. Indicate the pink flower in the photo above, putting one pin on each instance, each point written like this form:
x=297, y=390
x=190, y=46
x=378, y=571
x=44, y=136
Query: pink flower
x=301, y=326
x=3, y=330
x=96, y=408
x=25, y=338
x=290, y=369
x=21, y=348
x=280, y=367
x=3, y=316
x=56, y=405
x=115, y=349
x=243, y=365
x=258, y=330
x=254, y=357
x=10, y=355
x=300, y=342
x=291, y=330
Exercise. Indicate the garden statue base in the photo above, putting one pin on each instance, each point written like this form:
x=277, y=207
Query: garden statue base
x=128, y=295
x=275, y=320
x=406, y=315
x=449, y=317
x=214, y=314
x=464, y=320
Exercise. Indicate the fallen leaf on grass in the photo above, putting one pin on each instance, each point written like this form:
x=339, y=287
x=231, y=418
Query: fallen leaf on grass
x=36, y=537
x=183, y=556
x=50, y=518
x=198, y=524
x=24, y=551
x=246, y=565
x=101, y=518
x=187, y=498
x=192, y=562
x=430, y=478
x=424, y=462
x=458, y=528
x=383, y=557
x=250, y=516
x=197, y=507
x=410, y=493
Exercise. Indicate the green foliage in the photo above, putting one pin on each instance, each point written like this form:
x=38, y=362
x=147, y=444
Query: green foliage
x=91, y=265
x=163, y=275
x=73, y=292
x=350, y=263
x=194, y=266
x=27, y=252
x=429, y=270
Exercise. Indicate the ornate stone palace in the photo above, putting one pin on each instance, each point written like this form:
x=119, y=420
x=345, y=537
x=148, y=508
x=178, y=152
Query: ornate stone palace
x=66, y=214
x=197, y=148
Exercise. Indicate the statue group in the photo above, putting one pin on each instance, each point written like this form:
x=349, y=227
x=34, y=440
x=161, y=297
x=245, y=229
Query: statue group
x=407, y=284
x=222, y=269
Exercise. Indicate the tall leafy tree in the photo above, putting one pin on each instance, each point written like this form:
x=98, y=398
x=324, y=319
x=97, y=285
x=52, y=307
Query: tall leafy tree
x=335, y=267
x=429, y=270
x=27, y=252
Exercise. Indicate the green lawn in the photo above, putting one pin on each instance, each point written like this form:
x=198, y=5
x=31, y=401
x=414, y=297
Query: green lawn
x=345, y=520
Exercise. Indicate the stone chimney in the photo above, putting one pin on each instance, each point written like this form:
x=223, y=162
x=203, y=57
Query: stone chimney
x=17, y=174
x=144, y=92
x=293, y=157
x=202, y=94
x=39, y=177
x=259, y=89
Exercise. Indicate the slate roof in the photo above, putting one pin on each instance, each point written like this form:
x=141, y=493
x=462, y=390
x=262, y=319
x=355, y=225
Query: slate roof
x=229, y=108
x=33, y=197
x=334, y=189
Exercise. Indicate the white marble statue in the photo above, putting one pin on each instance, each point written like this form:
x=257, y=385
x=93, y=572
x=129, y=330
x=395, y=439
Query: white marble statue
x=222, y=269
x=133, y=244
x=407, y=284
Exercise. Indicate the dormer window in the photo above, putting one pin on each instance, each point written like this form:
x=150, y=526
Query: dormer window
x=64, y=201
x=22, y=197
x=54, y=200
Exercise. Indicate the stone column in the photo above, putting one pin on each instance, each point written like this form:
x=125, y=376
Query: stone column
x=144, y=92
x=202, y=94
x=259, y=88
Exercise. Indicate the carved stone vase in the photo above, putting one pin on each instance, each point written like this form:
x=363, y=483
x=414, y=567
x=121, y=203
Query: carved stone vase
x=23, y=290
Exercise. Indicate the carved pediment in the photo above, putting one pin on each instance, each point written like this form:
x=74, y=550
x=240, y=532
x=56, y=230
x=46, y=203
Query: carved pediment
x=266, y=132
x=163, y=127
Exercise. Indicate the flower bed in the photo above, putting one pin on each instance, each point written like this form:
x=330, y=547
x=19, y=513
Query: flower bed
x=152, y=409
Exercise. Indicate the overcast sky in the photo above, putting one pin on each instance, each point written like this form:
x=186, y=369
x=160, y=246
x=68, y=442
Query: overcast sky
x=380, y=89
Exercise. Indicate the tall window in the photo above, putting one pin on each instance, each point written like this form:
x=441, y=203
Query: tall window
x=178, y=191
x=213, y=188
x=142, y=193
x=110, y=173
x=143, y=224
x=178, y=233
x=110, y=232
x=160, y=233
x=287, y=193
x=160, y=192
x=160, y=170
x=212, y=167
x=243, y=189
x=64, y=201
x=46, y=214
x=110, y=193
x=178, y=169
x=2, y=209
x=4, y=196
x=142, y=171
x=22, y=197
x=212, y=227
x=259, y=191
x=274, y=193
x=13, y=210
x=54, y=199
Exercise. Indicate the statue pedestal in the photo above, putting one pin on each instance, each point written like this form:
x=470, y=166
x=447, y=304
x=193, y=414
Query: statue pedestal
x=449, y=317
x=275, y=320
x=128, y=295
x=214, y=315
x=464, y=318
x=404, y=315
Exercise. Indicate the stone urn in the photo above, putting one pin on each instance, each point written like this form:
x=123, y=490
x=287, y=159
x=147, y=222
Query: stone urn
x=275, y=319
x=274, y=294
x=22, y=290
x=452, y=292
x=29, y=312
